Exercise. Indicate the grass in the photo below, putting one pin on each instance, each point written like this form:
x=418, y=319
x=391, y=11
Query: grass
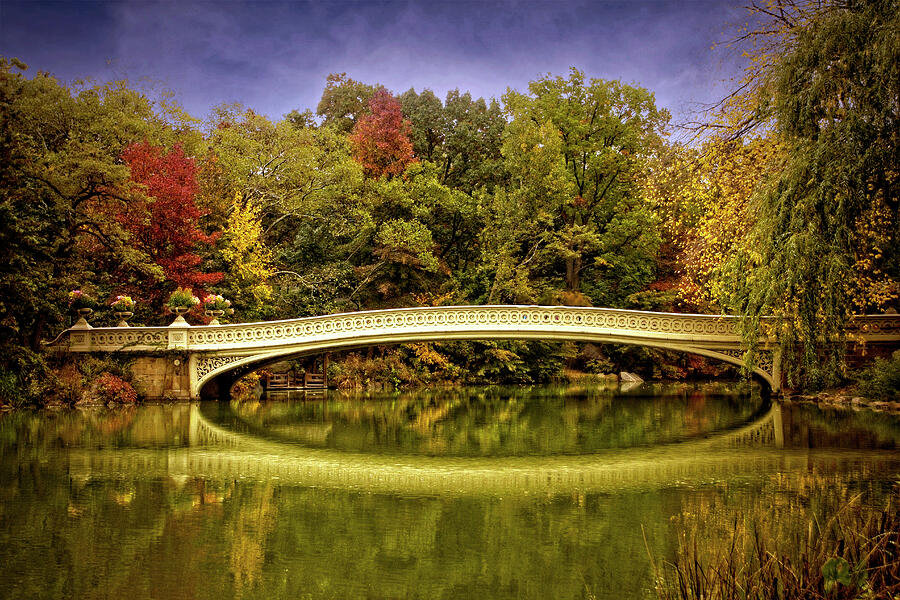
x=855, y=554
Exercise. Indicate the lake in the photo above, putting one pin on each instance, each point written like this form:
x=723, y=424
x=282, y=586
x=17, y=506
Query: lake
x=520, y=492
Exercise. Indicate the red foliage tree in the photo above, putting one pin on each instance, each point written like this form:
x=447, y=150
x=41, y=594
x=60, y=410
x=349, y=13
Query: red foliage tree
x=164, y=224
x=380, y=140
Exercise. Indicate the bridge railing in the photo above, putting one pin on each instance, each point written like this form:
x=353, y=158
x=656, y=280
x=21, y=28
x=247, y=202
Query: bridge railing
x=556, y=321
x=553, y=319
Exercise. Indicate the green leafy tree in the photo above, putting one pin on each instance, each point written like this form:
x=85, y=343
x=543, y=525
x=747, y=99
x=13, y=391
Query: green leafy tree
x=588, y=177
x=61, y=183
x=344, y=101
x=462, y=137
x=304, y=185
x=426, y=115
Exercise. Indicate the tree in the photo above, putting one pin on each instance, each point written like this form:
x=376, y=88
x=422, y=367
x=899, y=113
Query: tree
x=344, y=101
x=472, y=141
x=164, y=222
x=380, y=140
x=462, y=136
x=247, y=259
x=426, y=116
x=303, y=185
x=61, y=184
x=703, y=197
x=288, y=173
x=826, y=245
x=604, y=130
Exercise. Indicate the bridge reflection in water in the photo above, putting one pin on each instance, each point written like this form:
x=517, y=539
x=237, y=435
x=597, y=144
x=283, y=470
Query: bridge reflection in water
x=221, y=453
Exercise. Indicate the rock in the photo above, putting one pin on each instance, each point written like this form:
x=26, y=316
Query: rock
x=626, y=377
x=857, y=401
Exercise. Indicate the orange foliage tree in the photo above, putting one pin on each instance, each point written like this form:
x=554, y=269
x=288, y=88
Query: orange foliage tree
x=380, y=140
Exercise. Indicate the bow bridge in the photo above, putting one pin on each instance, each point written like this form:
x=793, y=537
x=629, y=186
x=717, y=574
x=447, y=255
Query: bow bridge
x=183, y=361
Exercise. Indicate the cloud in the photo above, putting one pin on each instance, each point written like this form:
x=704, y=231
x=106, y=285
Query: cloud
x=274, y=56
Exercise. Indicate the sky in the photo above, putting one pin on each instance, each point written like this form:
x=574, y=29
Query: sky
x=273, y=57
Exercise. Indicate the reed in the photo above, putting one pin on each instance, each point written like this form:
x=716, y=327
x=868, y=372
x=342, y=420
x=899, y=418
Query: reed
x=855, y=554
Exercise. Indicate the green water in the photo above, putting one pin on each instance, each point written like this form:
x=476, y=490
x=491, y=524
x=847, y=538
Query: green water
x=465, y=493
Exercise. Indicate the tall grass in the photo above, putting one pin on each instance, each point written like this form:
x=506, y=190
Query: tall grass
x=855, y=554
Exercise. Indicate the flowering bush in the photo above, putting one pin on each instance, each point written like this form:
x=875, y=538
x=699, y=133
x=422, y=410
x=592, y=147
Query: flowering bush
x=78, y=299
x=183, y=298
x=122, y=304
x=111, y=388
x=216, y=302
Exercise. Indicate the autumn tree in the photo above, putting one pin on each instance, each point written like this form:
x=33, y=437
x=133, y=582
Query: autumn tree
x=380, y=140
x=825, y=245
x=247, y=260
x=703, y=196
x=164, y=220
x=61, y=185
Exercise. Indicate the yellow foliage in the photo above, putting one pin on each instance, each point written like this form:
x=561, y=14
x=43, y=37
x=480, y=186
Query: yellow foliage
x=247, y=257
x=703, y=197
x=429, y=356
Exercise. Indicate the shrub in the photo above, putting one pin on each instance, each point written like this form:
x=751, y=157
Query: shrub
x=111, y=388
x=94, y=366
x=882, y=379
x=245, y=388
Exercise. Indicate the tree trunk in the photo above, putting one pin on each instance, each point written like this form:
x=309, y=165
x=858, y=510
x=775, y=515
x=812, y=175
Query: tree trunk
x=573, y=273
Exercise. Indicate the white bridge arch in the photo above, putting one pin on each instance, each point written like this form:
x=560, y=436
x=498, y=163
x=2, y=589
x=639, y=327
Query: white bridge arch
x=200, y=355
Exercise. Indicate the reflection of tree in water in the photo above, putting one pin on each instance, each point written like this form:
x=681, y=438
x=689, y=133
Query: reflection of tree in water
x=94, y=427
x=250, y=517
x=120, y=533
x=501, y=422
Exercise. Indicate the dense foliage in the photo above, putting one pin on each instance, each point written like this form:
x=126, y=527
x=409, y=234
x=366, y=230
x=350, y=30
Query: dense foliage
x=568, y=193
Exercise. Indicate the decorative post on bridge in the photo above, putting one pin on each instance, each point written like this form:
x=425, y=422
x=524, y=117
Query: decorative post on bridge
x=178, y=334
x=179, y=368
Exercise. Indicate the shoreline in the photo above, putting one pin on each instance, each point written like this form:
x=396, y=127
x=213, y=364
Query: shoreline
x=844, y=398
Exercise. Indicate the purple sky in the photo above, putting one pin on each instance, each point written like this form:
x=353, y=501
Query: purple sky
x=274, y=56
